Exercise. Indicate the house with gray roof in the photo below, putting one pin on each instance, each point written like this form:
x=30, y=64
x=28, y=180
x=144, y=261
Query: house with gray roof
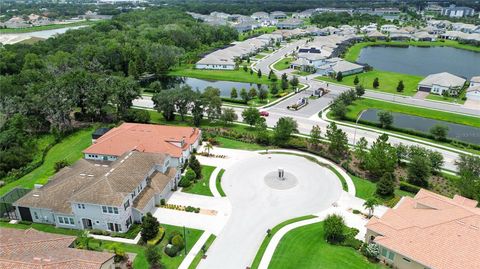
x=103, y=195
x=278, y=15
x=291, y=23
x=440, y=82
x=457, y=12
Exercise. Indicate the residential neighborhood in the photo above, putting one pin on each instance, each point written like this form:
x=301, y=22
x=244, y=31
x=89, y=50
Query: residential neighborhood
x=225, y=134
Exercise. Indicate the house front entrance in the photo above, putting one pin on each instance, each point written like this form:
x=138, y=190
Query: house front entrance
x=87, y=223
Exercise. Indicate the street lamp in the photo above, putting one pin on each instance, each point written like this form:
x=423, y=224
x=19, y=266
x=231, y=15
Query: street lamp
x=356, y=124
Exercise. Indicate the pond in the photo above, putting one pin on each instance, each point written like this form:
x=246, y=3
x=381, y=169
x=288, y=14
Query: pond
x=225, y=87
x=458, y=132
x=422, y=61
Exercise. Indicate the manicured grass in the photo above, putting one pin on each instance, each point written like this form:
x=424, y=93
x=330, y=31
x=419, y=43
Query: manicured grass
x=273, y=231
x=354, y=51
x=260, y=56
x=235, y=144
x=43, y=27
x=283, y=64
x=457, y=100
x=69, y=149
x=305, y=247
x=361, y=104
x=366, y=189
x=192, y=236
x=229, y=75
x=199, y=255
x=202, y=187
x=258, y=31
x=218, y=183
x=388, y=81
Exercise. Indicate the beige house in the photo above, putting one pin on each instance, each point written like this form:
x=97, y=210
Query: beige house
x=428, y=231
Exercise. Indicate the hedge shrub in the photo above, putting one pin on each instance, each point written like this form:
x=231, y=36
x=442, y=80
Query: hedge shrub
x=157, y=238
x=405, y=186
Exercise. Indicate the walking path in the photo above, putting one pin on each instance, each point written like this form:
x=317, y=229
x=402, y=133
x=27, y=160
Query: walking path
x=116, y=239
x=194, y=251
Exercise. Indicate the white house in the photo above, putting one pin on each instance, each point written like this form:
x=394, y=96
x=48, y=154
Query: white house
x=440, y=82
x=337, y=65
x=456, y=12
x=278, y=15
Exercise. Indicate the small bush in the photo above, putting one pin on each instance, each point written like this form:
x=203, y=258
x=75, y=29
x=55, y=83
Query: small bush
x=356, y=211
x=178, y=242
x=157, y=238
x=171, y=250
x=136, y=115
x=60, y=164
x=162, y=202
x=405, y=186
x=172, y=235
x=100, y=232
x=4, y=220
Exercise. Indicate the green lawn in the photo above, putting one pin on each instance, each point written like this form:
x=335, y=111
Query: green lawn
x=266, y=240
x=388, y=81
x=258, y=31
x=436, y=97
x=202, y=187
x=229, y=75
x=354, y=51
x=235, y=144
x=283, y=64
x=218, y=183
x=366, y=189
x=361, y=104
x=43, y=27
x=70, y=149
x=199, y=255
x=304, y=247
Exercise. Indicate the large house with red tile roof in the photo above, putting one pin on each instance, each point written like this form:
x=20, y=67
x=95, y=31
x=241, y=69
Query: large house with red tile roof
x=176, y=141
x=33, y=249
x=124, y=174
x=428, y=231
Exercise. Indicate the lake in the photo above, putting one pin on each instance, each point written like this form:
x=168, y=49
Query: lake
x=458, y=132
x=225, y=87
x=422, y=61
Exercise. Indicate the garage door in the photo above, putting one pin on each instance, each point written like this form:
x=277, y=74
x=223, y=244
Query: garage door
x=424, y=89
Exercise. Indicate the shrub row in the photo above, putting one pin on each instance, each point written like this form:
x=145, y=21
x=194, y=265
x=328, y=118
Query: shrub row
x=405, y=186
x=157, y=238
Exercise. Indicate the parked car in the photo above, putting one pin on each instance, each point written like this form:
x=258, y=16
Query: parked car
x=264, y=113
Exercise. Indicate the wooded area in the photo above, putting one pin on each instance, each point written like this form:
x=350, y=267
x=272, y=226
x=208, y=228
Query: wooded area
x=91, y=74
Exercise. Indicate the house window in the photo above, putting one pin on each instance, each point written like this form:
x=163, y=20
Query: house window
x=384, y=252
x=115, y=210
x=391, y=255
x=110, y=210
x=81, y=206
x=35, y=214
x=126, y=205
x=104, y=209
x=60, y=219
x=72, y=221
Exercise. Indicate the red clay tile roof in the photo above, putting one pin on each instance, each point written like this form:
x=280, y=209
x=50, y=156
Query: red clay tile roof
x=144, y=138
x=34, y=249
x=433, y=230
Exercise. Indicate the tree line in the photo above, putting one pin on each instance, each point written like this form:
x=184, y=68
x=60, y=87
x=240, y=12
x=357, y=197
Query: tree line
x=91, y=74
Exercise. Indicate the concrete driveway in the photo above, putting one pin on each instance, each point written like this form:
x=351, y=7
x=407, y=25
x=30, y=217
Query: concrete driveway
x=257, y=207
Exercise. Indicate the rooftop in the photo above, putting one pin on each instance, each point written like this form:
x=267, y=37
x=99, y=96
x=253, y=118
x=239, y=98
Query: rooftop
x=152, y=138
x=94, y=182
x=435, y=231
x=443, y=79
x=34, y=249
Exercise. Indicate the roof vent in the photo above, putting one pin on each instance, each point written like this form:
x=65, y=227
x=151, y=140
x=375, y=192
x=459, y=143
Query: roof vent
x=36, y=195
x=474, y=227
x=83, y=174
x=89, y=175
x=97, y=164
x=38, y=186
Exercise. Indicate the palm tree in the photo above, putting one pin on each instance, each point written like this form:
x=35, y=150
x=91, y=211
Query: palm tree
x=208, y=147
x=370, y=204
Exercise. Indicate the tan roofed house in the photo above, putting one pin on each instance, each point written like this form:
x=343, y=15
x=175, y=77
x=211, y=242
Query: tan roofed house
x=34, y=249
x=440, y=82
x=428, y=231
